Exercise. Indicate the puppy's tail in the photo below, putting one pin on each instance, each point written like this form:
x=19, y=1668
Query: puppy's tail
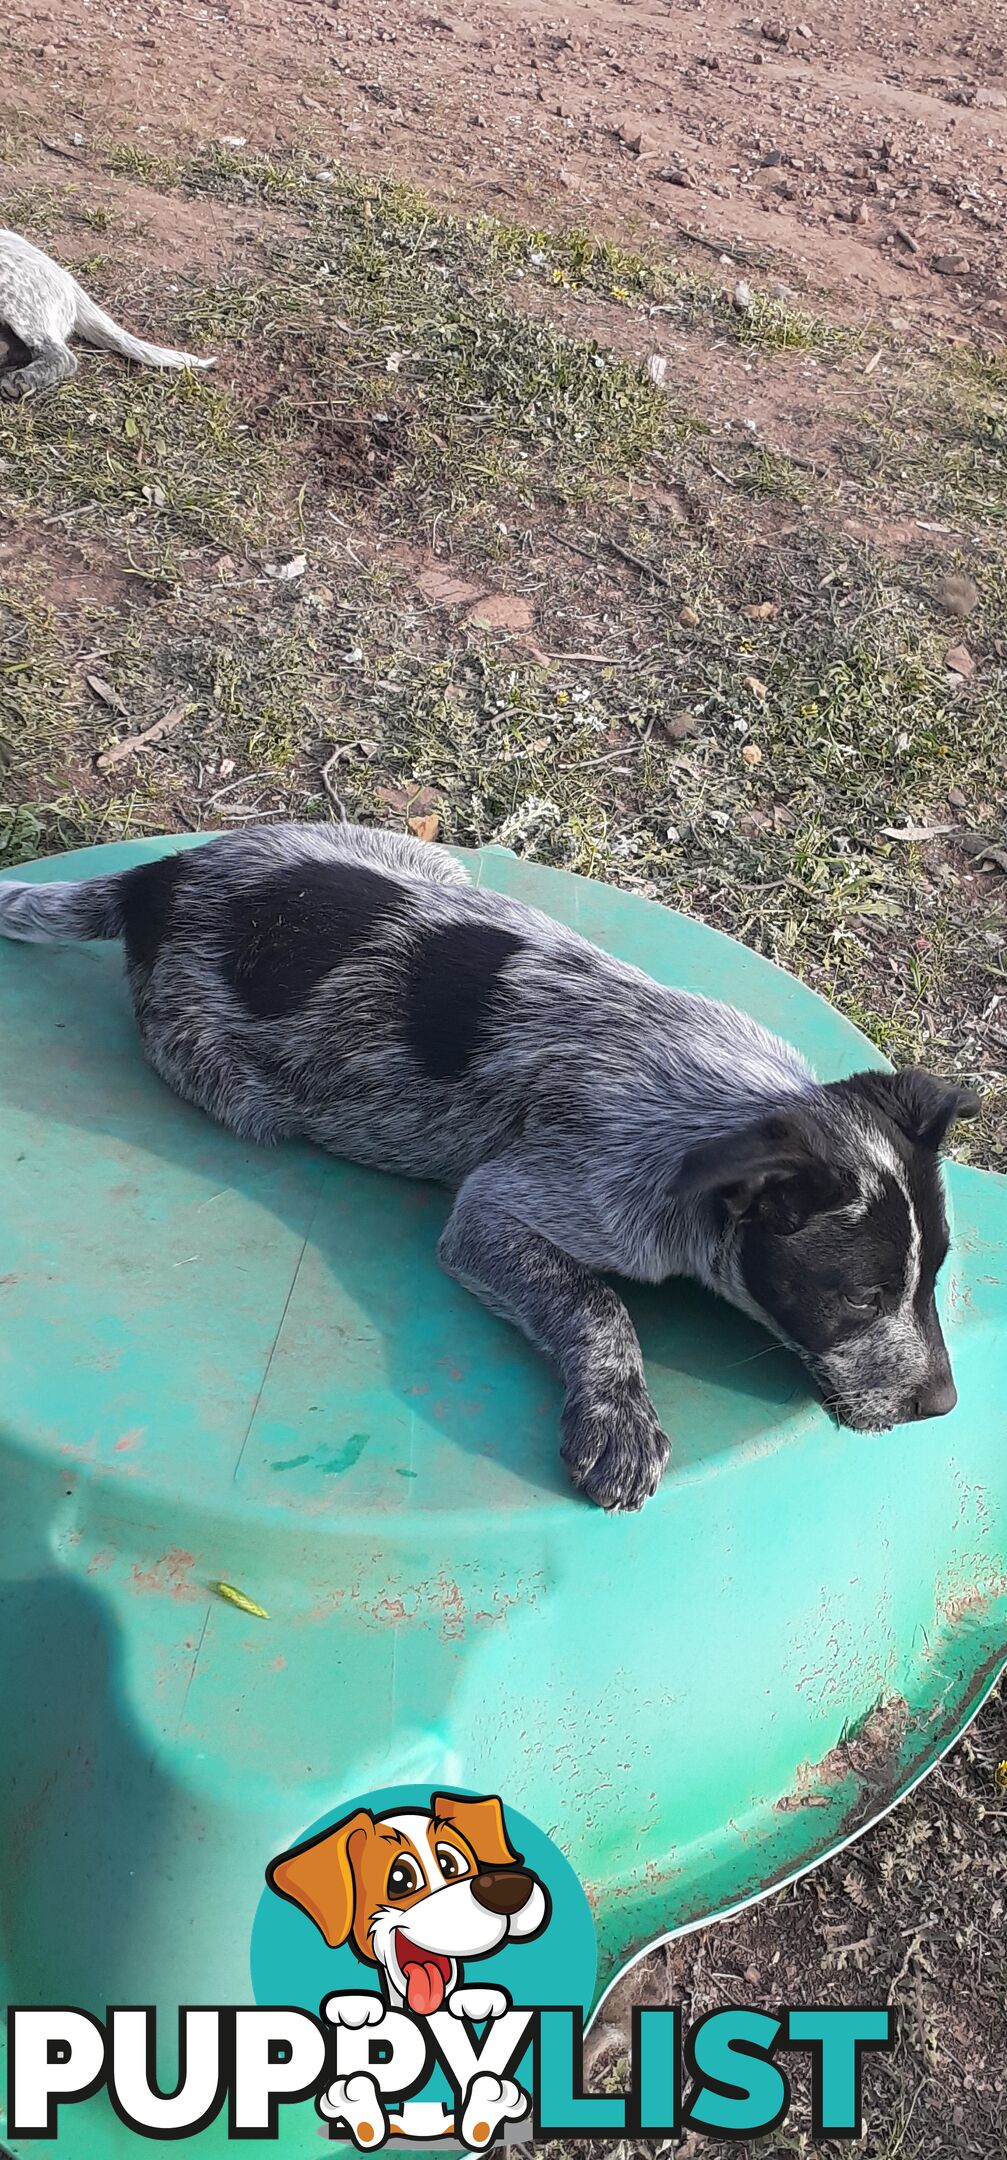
x=48, y=914
x=97, y=328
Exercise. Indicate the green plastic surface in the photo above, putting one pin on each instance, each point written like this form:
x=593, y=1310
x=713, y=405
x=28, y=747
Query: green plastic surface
x=218, y=1362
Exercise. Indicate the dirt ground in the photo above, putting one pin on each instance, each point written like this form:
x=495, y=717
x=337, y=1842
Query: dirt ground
x=607, y=455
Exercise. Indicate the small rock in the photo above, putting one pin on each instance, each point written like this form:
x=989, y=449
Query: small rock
x=753, y=1975
x=678, y=176
x=751, y=753
x=760, y=611
x=425, y=828
x=741, y=298
x=907, y=240
x=776, y=32
x=688, y=618
x=959, y=660
x=657, y=367
x=991, y=100
x=677, y=725
x=956, y=798
x=286, y=572
x=756, y=688
x=949, y=265
x=804, y=30
x=772, y=157
x=500, y=611
x=957, y=594
x=632, y=131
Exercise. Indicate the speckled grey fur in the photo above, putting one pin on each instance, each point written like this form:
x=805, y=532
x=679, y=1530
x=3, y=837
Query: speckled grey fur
x=44, y=307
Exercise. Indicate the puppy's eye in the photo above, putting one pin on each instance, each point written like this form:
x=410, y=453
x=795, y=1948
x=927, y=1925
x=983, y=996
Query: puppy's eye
x=451, y=1863
x=871, y=1301
x=404, y=1878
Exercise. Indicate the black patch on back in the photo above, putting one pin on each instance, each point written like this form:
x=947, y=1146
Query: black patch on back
x=453, y=990
x=148, y=904
x=288, y=932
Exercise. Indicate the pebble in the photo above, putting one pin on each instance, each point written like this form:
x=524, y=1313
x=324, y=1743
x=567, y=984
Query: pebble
x=688, y=618
x=751, y=753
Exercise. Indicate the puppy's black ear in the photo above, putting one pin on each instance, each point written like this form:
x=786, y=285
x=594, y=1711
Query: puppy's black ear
x=769, y=1173
x=924, y=1107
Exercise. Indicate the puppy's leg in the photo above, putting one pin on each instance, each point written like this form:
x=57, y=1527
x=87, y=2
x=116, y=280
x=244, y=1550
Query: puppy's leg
x=53, y=363
x=612, y=1441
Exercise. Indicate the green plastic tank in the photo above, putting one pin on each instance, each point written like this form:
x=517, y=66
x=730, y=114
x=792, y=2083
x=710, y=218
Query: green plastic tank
x=224, y=1364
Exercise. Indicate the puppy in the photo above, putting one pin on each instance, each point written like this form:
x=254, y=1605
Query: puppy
x=42, y=305
x=348, y=987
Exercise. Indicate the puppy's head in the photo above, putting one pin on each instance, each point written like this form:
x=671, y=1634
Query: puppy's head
x=833, y=1231
x=416, y=1891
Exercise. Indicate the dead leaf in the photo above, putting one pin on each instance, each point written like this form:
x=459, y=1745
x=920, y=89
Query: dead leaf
x=758, y=689
x=500, y=611
x=751, y=753
x=960, y=661
x=425, y=828
x=444, y=588
x=760, y=612
x=914, y=832
x=105, y=692
x=131, y=743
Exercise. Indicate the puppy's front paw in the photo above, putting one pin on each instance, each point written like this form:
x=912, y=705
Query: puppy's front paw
x=478, y=2003
x=613, y=1444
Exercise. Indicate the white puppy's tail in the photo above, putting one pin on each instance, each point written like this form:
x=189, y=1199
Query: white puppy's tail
x=97, y=328
x=46, y=914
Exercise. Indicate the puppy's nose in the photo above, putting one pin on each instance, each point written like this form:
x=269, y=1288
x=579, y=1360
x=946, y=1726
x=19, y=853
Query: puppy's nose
x=936, y=1397
x=503, y=1892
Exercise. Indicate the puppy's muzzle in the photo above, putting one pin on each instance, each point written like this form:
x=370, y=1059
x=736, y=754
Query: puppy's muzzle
x=503, y=1891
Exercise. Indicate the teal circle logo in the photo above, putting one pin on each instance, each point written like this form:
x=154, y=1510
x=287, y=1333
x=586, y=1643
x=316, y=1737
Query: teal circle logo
x=415, y=1923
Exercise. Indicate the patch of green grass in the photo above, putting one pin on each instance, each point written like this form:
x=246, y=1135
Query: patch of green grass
x=131, y=162
x=771, y=475
x=772, y=325
x=163, y=453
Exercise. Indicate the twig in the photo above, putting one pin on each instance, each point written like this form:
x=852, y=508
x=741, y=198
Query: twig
x=58, y=151
x=914, y=1945
x=344, y=750
x=614, y=547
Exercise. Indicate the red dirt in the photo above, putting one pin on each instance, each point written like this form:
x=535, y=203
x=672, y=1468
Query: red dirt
x=864, y=157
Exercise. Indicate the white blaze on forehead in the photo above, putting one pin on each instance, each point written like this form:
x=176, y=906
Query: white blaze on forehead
x=883, y=1158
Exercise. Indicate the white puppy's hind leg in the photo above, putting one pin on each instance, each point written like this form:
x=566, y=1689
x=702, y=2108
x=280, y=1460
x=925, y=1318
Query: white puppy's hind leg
x=51, y=363
x=357, y=2102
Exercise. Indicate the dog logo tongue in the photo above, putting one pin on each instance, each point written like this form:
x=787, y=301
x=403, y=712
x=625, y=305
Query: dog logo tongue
x=426, y=1976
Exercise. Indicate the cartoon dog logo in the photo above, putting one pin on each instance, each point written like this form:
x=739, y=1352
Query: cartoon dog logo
x=417, y=1893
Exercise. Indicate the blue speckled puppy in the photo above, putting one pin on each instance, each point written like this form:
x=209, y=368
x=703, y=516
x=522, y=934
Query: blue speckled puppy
x=349, y=987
